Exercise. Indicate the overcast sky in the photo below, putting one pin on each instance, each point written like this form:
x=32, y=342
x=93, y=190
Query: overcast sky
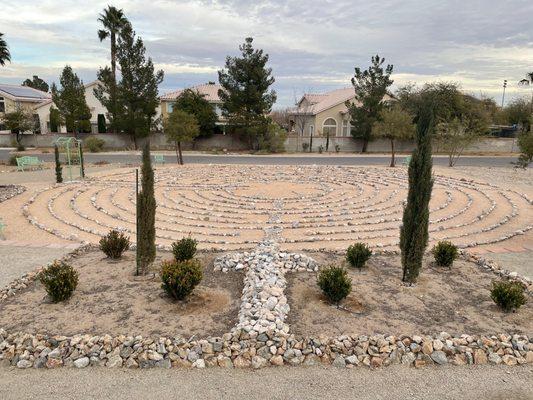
x=313, y=45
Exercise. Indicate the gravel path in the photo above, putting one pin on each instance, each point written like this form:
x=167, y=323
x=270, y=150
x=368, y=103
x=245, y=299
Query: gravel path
x=16, y=261
x=480, y=382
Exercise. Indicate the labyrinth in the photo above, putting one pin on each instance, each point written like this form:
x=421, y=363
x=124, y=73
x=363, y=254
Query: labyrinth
x=310, y=207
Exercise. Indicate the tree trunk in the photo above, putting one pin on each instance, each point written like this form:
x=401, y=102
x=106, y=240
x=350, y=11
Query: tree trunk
x=392, y=163
x=114, y=83
x=450, y=161
x=365, y=145
x=327, y=141
x=180, y=155
x=177, y=153
x=134, y=141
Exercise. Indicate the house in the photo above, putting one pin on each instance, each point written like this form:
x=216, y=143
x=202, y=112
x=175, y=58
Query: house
x=208, y=90
x=323, y=114
x=13, y=97
x=96, y=108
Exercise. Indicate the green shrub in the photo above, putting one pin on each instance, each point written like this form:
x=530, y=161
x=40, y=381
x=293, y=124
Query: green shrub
x=445, y=253
x=94, y=144
x=358, y=254
x=509, y=295
x=59, y=280
x=180, y=277
x=337, y=148
x=184, y=249
x=21, y=147
x=114, y=244
x=335, y=283
x=320, y=149
x=13, y=160
x=305, y=146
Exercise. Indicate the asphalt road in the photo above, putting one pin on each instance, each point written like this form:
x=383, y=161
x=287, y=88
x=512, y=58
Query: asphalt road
x=195, y=158
x=399, y=382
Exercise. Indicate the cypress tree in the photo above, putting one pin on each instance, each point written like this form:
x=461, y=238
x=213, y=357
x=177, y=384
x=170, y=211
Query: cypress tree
x=82, y=164
x=146, y=209
x=414, y=229
x=59, y=168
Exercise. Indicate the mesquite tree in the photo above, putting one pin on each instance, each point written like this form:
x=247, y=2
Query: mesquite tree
x=59, y=168
x=146, y=213
x=414, y=229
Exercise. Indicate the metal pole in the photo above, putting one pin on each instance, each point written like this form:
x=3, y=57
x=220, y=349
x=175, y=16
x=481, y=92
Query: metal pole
x=504, y=86
x=137, y=221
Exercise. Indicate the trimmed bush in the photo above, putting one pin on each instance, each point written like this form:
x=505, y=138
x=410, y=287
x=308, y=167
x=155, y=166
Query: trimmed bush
x=445, y=253
x=94, y=144
x=335, y=283
x=114, y=244
x=358, y=254
x=509, y=295
x=59, y=280
x=184, y=249
x=180, y=277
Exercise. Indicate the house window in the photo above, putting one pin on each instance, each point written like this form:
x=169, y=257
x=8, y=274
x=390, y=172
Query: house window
x=346, y=127
x=311, y=130
x=2, y=105
x=329, y=128
x=170, y=107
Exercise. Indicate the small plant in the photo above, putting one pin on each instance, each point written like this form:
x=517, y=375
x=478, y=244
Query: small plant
x=445, y=253
x=305, y=146
x=13, y=160
x=20, y=147
x=94, y=144
x=180, y=277
x=508, y=295
x=337, y=148
x=320, y=149
x=335, y=283
x=358, y=254
x=114, y=244
x=59, y=280
x=184, y=249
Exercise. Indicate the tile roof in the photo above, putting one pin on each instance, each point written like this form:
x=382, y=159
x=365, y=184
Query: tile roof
x=209, y=90
x=322, y=101
x=24, y=92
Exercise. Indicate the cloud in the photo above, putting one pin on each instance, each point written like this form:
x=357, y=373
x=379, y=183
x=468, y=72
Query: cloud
x=313, y=45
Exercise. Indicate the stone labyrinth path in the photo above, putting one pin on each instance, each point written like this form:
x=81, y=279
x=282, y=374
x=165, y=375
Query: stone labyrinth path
x=231, y=207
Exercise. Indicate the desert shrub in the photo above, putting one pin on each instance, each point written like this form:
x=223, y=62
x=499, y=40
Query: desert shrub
x=335, y=283
x=13, y=160
x=337, y=148
x=94, y=144
x=184, y=249
x=525, y=144
x=114, y=244
x=305, y=146
x=509, y=295
x=59, y=280
x=21, y=147
x=180, y=277
x=320, y=149
x=445, y=253
x=358, y=254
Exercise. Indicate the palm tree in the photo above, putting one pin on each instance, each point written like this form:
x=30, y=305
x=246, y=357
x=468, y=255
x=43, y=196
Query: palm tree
x=4, y=51
x=528, y=81
x=113, y=21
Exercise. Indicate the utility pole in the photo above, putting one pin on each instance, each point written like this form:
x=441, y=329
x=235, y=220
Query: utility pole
x=504, y=86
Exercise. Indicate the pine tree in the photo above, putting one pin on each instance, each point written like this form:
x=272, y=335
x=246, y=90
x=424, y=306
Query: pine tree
x=71, y=103
x=146, y=213
x=414, y=229
x=59, y=168
x=370, y=89
x=136, y=93
x=245, y=95
x=36, y=83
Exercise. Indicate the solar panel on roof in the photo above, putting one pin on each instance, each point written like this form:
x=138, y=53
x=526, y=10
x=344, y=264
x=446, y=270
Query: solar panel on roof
x=21, y=91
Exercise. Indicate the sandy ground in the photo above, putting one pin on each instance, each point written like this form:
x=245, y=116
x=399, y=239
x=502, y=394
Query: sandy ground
x=454, y=300
x=280, y=383
x=109, y=300
x=15, y=261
